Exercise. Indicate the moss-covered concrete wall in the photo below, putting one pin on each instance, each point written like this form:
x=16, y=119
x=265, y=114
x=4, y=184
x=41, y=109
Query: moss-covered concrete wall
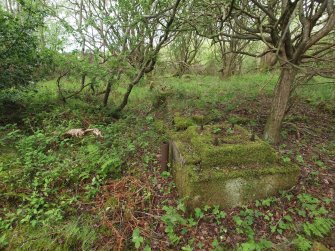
x=232, y=172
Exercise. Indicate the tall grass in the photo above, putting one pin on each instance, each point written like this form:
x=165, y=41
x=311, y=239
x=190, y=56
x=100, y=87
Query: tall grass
x=317, y=90
x=190, y=90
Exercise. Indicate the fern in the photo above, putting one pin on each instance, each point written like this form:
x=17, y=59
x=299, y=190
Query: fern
x=302, y=244
x=252, y=245
x=320, y=227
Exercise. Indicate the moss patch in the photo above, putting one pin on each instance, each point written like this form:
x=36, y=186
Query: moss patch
x=182, y=123
x=231, y=188
x=234, y=149
x=238, y=120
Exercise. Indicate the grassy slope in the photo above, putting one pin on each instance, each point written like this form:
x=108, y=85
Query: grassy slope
x=68, y=186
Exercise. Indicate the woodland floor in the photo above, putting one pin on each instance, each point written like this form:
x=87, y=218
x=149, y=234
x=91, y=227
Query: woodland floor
x=139, y=206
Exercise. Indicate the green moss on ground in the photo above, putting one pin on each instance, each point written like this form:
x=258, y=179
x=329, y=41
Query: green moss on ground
x=160, y=126
x=239, y=120
x=182, y=123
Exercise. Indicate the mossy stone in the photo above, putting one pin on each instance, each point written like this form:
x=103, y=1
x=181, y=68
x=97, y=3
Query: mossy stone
x=229, y=174
x=233, y=150
x=230, y=188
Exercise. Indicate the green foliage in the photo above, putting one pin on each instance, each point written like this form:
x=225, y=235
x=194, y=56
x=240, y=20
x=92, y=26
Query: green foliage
x=172, y=219
x=219, y=214
x=11, y=104
x=300, y=159
x=147, y=248
x=302, y=244
x=230, y=130
x=216, y=245
x=3, y=241
x=137, y=239
x=283, y=224
x=217, y=130
x=266, y=202
x=187, y=248
x=310, y=206
x=198, y=213
x=253, y=245
x=286, y=159
x=44, y=177
x=76, y=66
x=165, y=174
x=44, y=188
x=18, y=44
x=244, y=223
x=320, y=227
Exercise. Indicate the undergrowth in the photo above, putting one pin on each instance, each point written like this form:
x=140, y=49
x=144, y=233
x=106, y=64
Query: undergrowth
x=59, y=193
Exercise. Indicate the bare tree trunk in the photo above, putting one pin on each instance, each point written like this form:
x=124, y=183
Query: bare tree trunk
x=227, y=71
x=130, y=88
x=231, y=62
x=182, y=66
x=83, y=80
x=108, y=91
x=109, y=86
x=279, y=104
x=229, y=66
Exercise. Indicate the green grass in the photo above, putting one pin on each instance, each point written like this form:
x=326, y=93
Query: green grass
x=78, y=234
x=189, y=91
x=248, y=84
x=317, y=90
x=207, y=91
x=201, y=92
